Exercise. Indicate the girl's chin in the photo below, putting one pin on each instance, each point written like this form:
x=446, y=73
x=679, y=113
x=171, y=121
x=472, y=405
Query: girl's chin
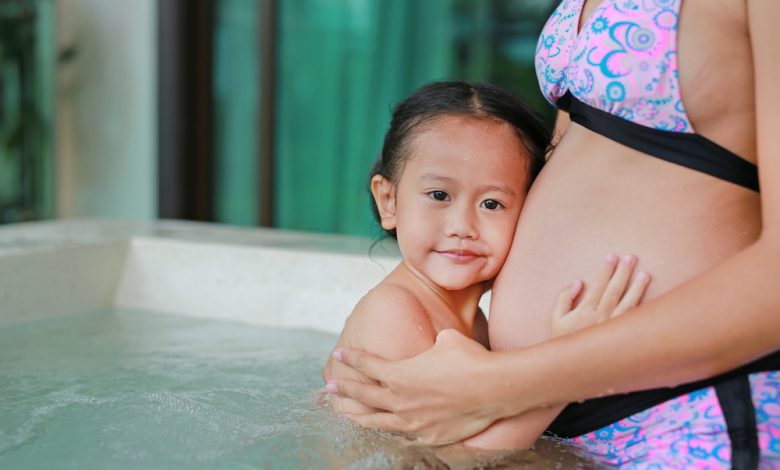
x=458, y=284
x=459, y=277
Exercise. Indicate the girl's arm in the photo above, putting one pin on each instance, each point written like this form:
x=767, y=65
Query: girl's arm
x=389, y=322
x=722, y=319
x=578, y=306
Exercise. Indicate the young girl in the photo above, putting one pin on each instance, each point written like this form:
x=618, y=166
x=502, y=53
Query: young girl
x=454, y=171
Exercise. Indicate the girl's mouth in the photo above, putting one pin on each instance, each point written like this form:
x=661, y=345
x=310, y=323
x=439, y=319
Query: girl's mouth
x=459, y=256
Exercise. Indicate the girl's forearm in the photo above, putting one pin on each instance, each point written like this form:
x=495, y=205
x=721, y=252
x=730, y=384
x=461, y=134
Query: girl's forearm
x=517, y=432
x=718, y=321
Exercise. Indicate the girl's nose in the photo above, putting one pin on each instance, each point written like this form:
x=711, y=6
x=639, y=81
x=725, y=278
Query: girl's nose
x=461, y=223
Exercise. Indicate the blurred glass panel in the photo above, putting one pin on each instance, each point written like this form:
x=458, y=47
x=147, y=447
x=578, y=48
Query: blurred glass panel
x=496, y=42
x=341, y=67
x=26, y=140
x=236, y=88
x=344, y=64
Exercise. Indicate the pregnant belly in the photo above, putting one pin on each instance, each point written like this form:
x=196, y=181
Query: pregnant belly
x=609, y=199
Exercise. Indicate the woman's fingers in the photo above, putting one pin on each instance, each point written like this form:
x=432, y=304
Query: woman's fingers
x=596, y=289
x=617, y=285
x=371, y=395
x=370, y=365
x=427, y=392
x=633, y=295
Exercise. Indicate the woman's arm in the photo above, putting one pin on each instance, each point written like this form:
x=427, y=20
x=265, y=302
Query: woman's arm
x=720, y=320
x=614, y=291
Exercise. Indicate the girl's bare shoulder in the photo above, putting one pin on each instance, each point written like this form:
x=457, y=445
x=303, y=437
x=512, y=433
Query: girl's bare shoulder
x=390, y=321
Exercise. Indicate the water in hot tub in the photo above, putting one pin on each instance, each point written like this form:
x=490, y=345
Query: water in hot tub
x=130, y=389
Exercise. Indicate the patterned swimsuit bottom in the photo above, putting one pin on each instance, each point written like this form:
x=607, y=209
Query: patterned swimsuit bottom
x=689, y=431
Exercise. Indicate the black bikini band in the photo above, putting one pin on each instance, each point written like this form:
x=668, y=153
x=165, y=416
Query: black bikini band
x=689, y=150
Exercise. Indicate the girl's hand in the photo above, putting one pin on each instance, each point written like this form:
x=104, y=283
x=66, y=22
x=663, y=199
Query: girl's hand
x=612, y=294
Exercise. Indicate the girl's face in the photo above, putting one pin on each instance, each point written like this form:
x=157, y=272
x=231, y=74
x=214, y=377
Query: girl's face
x=458, y=199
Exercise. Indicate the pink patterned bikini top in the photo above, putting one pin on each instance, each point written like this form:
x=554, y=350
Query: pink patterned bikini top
x=623, y=61
x=623, y=64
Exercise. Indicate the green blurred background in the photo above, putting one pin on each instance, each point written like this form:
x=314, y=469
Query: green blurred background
x=243, y=112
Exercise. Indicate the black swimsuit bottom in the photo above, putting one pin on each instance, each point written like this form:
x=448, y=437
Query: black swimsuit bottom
x=701, y=154
x=582, y=418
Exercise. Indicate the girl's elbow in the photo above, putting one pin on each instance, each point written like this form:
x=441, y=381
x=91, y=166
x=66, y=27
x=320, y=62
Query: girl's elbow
x=504, y=435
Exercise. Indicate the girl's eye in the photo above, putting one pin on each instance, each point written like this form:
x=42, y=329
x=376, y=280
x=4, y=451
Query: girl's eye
x=491, y=204
x=439, y=195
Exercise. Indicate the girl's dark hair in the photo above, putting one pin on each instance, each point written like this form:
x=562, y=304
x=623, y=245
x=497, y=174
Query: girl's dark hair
x=479, y=100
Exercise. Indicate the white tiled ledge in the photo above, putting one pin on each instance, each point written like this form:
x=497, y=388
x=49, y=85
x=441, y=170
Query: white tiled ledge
x=257, y=276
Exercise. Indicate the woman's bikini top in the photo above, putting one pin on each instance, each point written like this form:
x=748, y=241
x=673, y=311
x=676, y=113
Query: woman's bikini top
x=618, y=77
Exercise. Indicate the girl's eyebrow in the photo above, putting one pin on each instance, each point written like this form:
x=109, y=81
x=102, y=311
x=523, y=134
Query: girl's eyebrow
x=435, y=177
x=492, y=187
x=482, y=189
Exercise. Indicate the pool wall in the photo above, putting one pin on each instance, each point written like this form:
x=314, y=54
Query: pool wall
x=256, y=276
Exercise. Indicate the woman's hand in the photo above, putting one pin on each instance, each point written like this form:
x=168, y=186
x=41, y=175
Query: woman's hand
x=611, y=295
x=438, y=396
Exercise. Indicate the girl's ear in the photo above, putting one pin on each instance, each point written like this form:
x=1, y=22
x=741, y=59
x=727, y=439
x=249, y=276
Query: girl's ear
x=383, y=191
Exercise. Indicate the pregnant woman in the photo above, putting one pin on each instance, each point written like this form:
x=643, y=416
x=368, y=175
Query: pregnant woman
x=668, y=108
